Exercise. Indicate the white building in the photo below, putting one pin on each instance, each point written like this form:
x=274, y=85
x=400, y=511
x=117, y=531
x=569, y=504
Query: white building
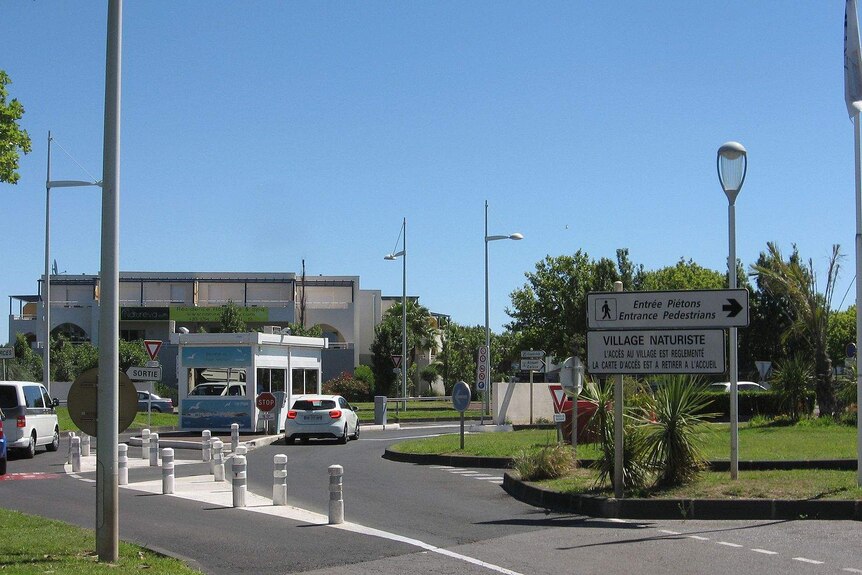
x=154, y=305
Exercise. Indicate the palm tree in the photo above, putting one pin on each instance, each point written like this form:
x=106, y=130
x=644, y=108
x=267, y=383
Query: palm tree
x=796, y=282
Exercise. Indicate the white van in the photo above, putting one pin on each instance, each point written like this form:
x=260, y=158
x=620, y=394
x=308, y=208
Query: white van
x=29, y=419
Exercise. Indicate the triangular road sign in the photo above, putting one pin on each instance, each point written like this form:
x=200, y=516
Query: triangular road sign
x=152, y=346
x=559, y=397
x=396, y=361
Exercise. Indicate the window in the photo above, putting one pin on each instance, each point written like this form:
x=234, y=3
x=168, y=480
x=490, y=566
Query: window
x=33, y=396
x=304, y=381
x=270, y=379
x=46, y=399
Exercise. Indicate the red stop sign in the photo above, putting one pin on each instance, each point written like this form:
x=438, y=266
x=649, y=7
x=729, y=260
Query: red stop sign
x=265, y=401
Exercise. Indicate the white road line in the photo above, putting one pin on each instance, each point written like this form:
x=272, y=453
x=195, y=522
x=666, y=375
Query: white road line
x=698, y=537
x=487, y=477
x=668, y=532
x=616, y=520
x=440, y=467
x=726, y=544
x=498, y=482
x=804, y=560
x=765, y=551
x=463, y=472
x=851, y=570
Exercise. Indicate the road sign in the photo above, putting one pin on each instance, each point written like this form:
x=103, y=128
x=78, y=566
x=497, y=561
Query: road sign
x=265, y=401
x=667, y=309
x=559, y=418
x=82, y=402
x=396, y=361
x=532, y=364
x=482, y=370
x=559, y=397
x=152, y=346
x=461, y=396
x=7, y=353
x=656, y=351
x=144, y=373
x=763, y=369
x=532, y=354
x=572, y=376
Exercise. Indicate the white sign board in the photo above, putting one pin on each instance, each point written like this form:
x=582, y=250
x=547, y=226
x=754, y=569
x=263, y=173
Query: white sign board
x=532, y=364
x=667, y=309
x=656, y=352
x=144, y=373
x=532, y=354
x=7, y=353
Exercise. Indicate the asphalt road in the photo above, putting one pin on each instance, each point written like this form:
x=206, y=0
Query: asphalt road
x=435, y=519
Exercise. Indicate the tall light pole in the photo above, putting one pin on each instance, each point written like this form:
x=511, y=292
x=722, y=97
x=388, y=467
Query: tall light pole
x=393, y=256
x=515, y=236
x=732, y=163
x=46, y=289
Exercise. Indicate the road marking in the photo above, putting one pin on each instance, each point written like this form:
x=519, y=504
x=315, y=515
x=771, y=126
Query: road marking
x=765, y=551
x=698, y=537
x=440, y=467
x=851, y=570
x=463, y=472
x=669, y=532
x=725, y=543
x=804, y=560
x=616, y=520
x=487, y=477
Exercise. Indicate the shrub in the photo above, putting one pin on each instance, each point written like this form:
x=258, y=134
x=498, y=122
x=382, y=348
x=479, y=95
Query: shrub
x=364, y=373
x=793, y=380
x=549, y=462
x=352, y=388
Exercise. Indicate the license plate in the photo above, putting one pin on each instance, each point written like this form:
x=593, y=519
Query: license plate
x=313, y=417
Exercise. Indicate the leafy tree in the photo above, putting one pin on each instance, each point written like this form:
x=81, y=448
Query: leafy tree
x=810, y=310
x=69, y=360
x=842, y=330
x=685, y=275
x=132, y=354
x=421, y=334
x=27, y=365
x=299, y=329
x=13, y=140
x=231, y=319
x=458, y=353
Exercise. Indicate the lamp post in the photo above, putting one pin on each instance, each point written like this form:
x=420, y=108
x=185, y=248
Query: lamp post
x=515, y=236
x=394, y=256
x=732, y=163
x=46, y=293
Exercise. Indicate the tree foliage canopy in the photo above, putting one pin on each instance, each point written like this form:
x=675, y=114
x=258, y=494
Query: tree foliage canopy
x=13, y=139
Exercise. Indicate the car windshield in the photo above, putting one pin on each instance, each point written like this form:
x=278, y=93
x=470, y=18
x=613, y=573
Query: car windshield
x=314, y=404
x=208, y=389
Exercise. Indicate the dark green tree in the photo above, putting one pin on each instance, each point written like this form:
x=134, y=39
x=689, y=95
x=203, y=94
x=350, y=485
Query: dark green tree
x=13, y=140
x=421, y=335
x=231, y=319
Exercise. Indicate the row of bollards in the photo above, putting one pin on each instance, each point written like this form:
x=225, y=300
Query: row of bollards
x=212, y=452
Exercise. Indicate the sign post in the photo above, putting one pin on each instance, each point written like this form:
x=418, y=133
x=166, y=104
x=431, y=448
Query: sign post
x=461, y=401
x=482, y=364
x=266, y=402
x=6, y=353
x=532, y=360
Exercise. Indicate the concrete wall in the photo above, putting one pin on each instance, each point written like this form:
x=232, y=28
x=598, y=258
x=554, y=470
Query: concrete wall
x=511, y=403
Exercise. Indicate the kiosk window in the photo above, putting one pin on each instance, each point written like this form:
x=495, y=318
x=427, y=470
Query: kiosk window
x=304, y=381
x=270, y=379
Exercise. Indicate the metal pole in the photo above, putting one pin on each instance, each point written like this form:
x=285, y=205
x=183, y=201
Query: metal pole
x=107, y=513
x=404, y=315
x=487, y=407
x=618, y=426
x=734, y=368
x=858, y=149
x=46, y=289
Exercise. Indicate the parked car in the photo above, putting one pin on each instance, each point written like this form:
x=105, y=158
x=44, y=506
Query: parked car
x=219, y=388
x=2, y=447
x=740, y=386
x=159, y=404
x=321, y=416
x=28, y=405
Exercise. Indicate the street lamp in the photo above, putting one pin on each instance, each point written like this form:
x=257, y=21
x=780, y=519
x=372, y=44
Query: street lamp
x=46, y=294
x=393, y=256
x=515, y=236
x=732, y=163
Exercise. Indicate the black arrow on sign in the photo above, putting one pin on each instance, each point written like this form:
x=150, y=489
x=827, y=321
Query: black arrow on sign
x=732, y=307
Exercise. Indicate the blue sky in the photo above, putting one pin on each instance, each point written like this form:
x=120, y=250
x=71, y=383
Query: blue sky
x=259, y=134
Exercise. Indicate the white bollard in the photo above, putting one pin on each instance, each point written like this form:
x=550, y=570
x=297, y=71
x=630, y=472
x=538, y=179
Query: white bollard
x=336, y=494
x=206, y=447
x=154, y=450
x=279, y=480
x=69, y=457
x=234, y=437
x=239, y=480
x=241, y=450
x=76, y=454
x=145, y=444
x=85, y=445
x=122, y=464
x=218, y=460
x=167, y=471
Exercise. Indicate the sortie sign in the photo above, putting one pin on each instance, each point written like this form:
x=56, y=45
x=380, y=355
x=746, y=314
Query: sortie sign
x=656, y=352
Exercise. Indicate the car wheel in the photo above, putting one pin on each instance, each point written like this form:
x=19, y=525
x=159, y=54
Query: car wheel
x=55, y=443
x=356, y=431
x=157, y=410
x=304, y=440
x=343, y=439
x=30, y=450
x=289, y=440
x=3, y=466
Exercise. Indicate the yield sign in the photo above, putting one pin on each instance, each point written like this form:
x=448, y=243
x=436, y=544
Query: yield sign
x=559, y=397
x=396, y=360
x=152, y=346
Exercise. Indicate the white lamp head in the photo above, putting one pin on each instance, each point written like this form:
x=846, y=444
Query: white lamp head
x=732, y=164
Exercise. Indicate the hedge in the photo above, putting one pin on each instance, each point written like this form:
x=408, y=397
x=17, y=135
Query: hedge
x=767, y=403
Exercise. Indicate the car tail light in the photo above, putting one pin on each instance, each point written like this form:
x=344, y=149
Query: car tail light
x=335, y=414
x=21, y=421
x=1, y=430
x=291, y=414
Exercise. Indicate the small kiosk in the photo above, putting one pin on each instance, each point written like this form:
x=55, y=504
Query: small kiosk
x=220, y=375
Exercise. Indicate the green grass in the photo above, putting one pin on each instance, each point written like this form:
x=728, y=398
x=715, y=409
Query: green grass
x=416, y=411
x=760, y=443
x=772, y=484
x=140, y=422
x=30, y=544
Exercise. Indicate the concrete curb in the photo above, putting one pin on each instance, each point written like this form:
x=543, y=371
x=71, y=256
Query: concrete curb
x=680, y=508
x=453, y=460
